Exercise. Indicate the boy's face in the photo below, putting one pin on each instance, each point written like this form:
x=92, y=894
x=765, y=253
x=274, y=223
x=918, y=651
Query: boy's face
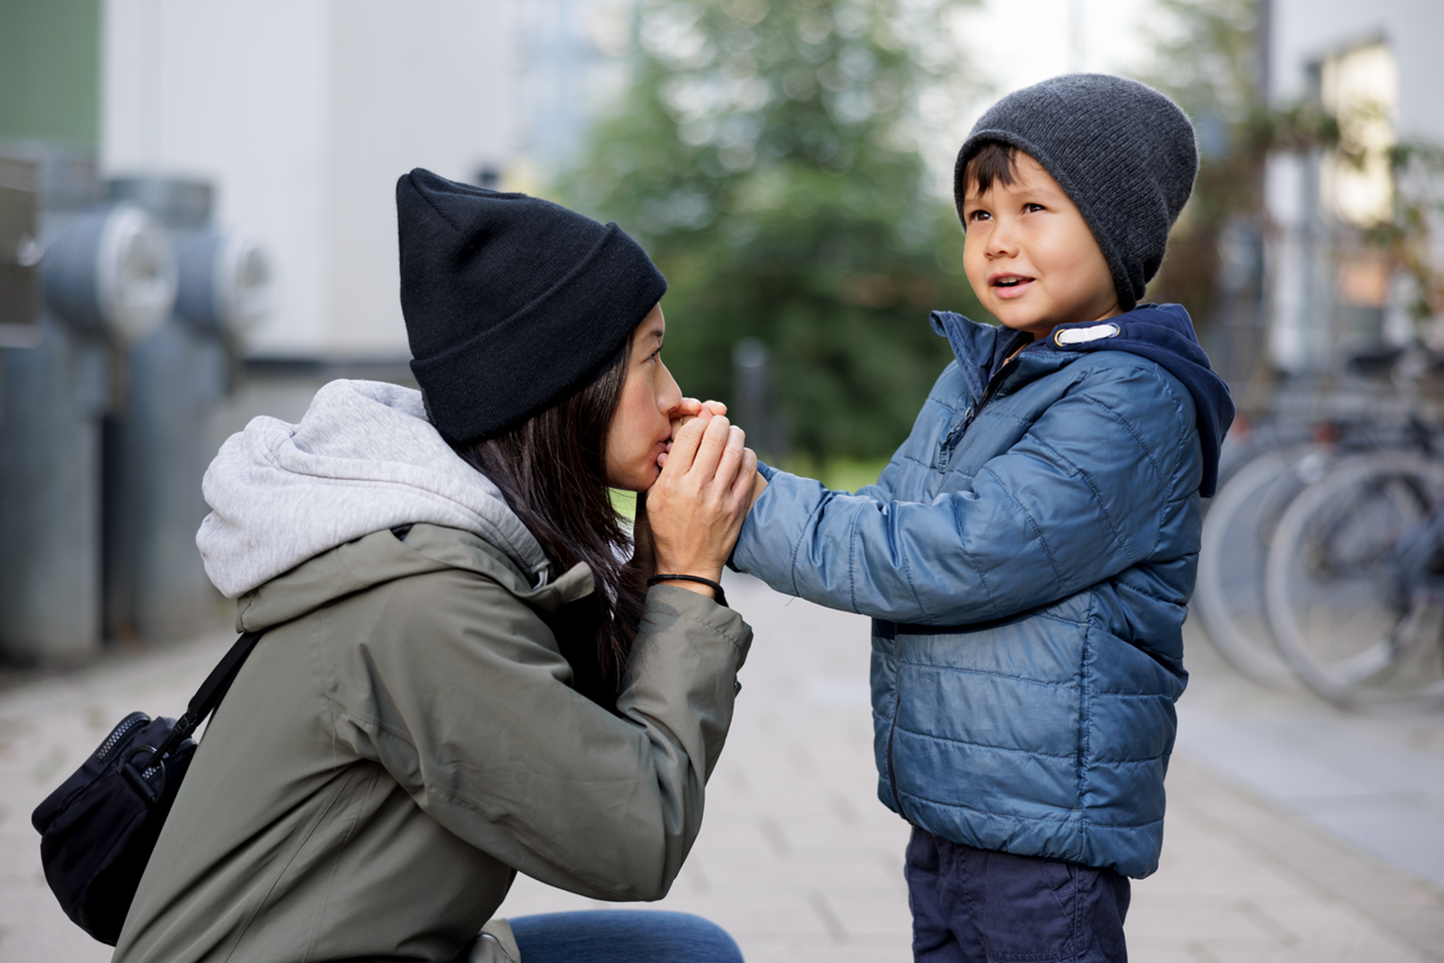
x=1030, y=256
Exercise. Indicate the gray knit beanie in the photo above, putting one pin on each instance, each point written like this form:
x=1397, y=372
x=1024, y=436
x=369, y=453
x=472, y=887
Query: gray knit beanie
x=1123, y=152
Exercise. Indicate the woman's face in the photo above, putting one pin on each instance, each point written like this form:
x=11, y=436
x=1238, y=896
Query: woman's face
x=642, y=426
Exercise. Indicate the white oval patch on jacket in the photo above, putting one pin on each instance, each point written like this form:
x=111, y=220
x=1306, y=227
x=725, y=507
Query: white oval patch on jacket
x=1097, y=332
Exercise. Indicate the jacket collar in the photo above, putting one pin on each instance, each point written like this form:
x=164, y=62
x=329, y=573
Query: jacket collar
x=1161, y=333
x=983, y=349
x=382, y=557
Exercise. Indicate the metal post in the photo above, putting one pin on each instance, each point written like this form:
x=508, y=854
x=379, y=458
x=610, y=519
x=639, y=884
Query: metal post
x=754, y=409
x=108, y=276
x=158, y=444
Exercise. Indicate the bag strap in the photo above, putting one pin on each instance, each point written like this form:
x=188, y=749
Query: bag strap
x=209, y=695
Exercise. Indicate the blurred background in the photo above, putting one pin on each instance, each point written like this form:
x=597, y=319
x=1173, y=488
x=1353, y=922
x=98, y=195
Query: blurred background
x=197, y=226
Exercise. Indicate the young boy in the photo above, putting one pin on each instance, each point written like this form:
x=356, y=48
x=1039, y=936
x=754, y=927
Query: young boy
x=1028, y=554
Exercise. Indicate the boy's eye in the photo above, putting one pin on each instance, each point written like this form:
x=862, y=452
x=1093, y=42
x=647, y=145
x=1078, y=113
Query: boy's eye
x=1030, y=207
x=977, y=215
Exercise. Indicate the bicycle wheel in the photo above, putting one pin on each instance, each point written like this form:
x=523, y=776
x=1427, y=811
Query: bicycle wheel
x=1335, y=616
x=1233, y=549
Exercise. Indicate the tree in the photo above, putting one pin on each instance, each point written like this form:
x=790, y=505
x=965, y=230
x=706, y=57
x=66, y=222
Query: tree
x=766, y=157
x=1209, y=62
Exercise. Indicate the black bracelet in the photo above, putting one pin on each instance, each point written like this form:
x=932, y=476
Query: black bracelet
x=721, y=595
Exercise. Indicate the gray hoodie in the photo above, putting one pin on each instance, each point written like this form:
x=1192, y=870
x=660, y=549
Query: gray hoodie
x=364, y=458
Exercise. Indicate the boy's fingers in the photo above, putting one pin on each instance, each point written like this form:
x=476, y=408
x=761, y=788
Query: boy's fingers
x=686, y=418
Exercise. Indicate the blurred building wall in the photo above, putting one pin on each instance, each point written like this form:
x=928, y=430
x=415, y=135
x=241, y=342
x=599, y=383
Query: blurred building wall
x=571, y=70
x=304, y=113
x=49, y=71
x=1308, y=313
x=1304, y=32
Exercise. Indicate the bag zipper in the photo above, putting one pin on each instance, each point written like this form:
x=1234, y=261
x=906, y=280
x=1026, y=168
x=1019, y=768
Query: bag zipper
x=118, y=733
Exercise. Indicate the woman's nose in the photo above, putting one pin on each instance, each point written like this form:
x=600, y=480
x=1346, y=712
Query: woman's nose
x=669, y=395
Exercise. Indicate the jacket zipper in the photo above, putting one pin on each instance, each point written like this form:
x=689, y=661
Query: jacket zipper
x=945, y=453
x=891, y=731
x=950, y=443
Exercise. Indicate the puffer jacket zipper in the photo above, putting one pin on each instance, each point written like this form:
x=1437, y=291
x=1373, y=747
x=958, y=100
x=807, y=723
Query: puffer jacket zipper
x=950, y=443
x=892, y=731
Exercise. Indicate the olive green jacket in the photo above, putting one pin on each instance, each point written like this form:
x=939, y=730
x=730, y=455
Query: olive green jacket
x=404, y=740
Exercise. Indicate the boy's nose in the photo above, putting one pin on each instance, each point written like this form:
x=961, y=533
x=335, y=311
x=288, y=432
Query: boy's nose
x=1002, y=239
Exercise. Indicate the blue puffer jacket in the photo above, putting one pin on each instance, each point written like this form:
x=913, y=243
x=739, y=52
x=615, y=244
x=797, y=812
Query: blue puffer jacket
x=1026, y=557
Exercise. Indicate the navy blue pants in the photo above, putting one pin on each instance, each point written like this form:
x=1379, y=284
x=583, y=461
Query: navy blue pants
x=975, y=906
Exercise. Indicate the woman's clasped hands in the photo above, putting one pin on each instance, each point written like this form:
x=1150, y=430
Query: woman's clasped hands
x=696, y=507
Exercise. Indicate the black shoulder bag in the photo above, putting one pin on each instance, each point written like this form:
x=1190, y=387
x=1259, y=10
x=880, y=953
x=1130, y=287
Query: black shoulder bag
x=98, y=829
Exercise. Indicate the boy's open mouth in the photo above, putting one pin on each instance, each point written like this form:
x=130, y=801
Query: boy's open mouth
x=1010, y=285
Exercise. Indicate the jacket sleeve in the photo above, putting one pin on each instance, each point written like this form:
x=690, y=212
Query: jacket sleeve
x=473, y=715
x=1080, y=497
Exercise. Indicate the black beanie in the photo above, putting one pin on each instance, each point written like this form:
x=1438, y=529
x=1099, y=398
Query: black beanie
x=511, y=302
x=1121, y=151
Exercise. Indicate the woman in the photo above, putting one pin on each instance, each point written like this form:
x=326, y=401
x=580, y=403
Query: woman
x=460, y=679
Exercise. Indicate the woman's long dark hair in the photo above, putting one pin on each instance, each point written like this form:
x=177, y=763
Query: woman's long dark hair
x=551, y=469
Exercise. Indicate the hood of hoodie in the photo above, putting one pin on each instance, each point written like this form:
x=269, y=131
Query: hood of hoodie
x=363, y=458
x=1162, y=333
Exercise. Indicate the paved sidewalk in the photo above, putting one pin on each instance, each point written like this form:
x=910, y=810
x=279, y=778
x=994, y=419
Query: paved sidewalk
x=801, y=863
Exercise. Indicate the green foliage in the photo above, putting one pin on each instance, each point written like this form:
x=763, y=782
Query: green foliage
x=765, y=157
x=1208, y=61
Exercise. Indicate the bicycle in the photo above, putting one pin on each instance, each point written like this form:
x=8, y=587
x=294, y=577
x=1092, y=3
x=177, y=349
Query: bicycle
x=1315, y=555
x=1354, y=583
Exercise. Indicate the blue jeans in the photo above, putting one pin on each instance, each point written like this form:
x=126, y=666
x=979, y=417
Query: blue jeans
x=622, y=936
x=975, y=906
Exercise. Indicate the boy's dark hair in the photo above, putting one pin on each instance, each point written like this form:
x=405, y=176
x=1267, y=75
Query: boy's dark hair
x=994, y=161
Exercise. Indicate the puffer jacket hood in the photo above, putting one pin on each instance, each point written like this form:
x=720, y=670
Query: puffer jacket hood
x=1162, y=333
x=363, y=458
